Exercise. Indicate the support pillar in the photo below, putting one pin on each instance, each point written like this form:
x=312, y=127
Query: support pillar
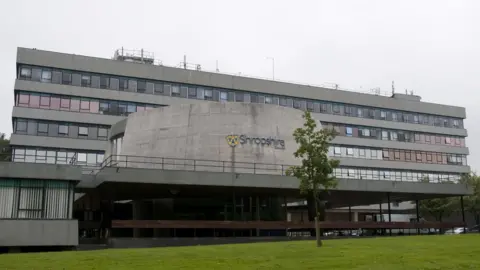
x=389, y=212
x=463, y=213
x=418, y=215
x=258, y=213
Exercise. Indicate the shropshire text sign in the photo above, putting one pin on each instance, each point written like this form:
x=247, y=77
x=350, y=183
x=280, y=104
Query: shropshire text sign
x=234, y=140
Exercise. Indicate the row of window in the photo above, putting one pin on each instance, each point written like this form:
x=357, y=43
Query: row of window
x=395, y=175
x=103, y=81
x=53, y=156
x=397, y=155
x=76, y=104
x=60, y=129
x=36, y=199
x=395, y=135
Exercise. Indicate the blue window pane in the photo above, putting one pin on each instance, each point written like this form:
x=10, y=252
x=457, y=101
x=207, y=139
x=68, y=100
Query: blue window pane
x=349, y=131
x=132, y=108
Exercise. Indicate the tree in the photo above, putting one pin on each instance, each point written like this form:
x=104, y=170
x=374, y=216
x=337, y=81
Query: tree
x=472, y=202
x=438, y=208
x=5, y=150
x=316, y=172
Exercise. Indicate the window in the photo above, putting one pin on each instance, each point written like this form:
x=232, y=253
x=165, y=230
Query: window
x=419, y=157
x=351, y=173
x=336, y=109
x=21, y=126
x=361, y=152
x=439, y=158
x=427, y=138
x=349, y=131
x=132, y=85
x=83, y=131
x=394, y=136
x=386, y=175
x=383, y=115
x=104, y=82
x=46, y=76
x=44, y=101
x=239, y=97
x=25, y=73
x=447, y=140
x=366, y=132
x=385, y=153
x=268, y=100
x=223, y=96
x=429, y=157
x=337, y=151
x=85, y=105
x=360, y=112
x=394, y=117
x=415, y=119
x=208, y=94
x=141, y=86
x=456, y=124
x=102, y=132
x=309, y=105
x=283, y=102
x=385, y=135
x=23, y=100
x=397, y=155
x=373, y=153
x=86, y=80
x=417, y=137
x=42, y=128
x=63, y=129
x=122, y=84
x=349, y=151
x=66, y=77
x=408, y=155
x=323, y=108
x=457, y=141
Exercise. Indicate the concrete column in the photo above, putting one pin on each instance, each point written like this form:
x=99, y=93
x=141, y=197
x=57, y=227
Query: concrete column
x=355, y=216
x=138, y=213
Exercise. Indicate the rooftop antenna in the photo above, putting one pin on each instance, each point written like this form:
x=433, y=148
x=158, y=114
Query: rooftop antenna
x=217, y=67
x=184, y=61
x=406, y=92
x=393, y=87
x=411, y=92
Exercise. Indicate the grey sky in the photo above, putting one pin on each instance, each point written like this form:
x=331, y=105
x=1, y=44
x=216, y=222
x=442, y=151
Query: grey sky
x=430, y=47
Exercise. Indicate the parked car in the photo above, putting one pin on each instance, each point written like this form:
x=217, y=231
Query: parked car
x=455, y=231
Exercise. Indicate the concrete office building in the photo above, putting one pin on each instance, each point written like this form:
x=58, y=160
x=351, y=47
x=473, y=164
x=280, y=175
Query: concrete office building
x=73, y=109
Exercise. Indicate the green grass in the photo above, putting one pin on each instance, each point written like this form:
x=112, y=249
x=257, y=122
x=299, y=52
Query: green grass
x=415, y=252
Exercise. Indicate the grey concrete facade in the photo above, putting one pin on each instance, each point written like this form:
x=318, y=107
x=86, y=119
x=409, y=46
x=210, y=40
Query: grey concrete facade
x=22, y=233
x=99, y=65
x=40, y=171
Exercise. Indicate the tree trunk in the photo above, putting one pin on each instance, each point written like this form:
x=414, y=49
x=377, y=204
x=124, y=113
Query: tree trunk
x=317, y=233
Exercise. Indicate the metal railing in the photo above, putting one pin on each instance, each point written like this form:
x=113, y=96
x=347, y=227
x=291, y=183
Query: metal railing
x=164, y=163
x=128, y=161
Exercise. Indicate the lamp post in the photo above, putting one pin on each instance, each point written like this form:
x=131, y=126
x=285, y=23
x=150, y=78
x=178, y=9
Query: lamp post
x=273, y=66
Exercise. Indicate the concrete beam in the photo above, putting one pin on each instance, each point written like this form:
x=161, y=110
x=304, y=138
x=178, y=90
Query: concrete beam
x=40, y=171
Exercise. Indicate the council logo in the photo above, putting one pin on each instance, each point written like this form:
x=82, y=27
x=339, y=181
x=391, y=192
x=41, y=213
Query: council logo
x=233, y=140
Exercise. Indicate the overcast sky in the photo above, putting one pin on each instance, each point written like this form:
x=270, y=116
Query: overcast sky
x=430, y=47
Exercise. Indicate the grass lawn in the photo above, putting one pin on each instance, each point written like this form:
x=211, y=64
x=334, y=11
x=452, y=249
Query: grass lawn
x=413, y=252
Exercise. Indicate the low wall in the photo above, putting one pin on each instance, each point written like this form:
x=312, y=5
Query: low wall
x=176, y=242
x=22, y=233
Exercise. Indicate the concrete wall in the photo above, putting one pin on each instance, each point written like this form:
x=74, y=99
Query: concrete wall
x=99, y=65
x=199, y=132
x=18, y=233
x=40, y=171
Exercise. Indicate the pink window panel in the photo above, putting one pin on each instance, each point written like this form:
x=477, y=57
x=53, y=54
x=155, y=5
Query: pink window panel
x=85, y=106
x=23, y=100
x=65, y=104
x=34, y=101
x=140, y=108
x=75, y=105
x=462, y=142
x=55, y=103
x=94, y=106
x=44, y=102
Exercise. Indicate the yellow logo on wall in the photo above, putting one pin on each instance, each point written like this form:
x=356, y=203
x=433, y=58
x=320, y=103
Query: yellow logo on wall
x=232, y=140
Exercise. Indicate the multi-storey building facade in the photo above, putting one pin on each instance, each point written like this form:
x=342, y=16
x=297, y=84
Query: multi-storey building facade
x=173, y=163
x=64, y=105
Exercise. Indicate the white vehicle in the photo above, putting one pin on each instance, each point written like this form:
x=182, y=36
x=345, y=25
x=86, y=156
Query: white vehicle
x=455, y=231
